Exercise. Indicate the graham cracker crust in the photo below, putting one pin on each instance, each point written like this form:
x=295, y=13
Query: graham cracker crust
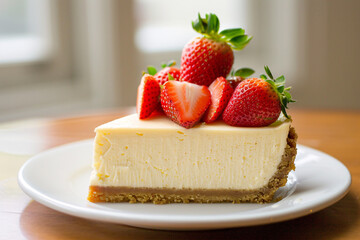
x=163, y=196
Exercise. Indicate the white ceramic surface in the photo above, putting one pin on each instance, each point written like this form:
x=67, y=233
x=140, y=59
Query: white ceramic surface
x=58, y=178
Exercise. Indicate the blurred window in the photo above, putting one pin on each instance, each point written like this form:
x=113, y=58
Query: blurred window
x=24, y=34
x=167, y=26
x=36, y=55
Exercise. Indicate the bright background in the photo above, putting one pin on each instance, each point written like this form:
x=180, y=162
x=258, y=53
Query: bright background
x=62, y=57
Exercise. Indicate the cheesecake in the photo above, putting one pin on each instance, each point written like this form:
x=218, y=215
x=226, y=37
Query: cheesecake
x=214, y=141
x=156, y=160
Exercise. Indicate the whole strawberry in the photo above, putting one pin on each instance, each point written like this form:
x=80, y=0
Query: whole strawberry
x=257, y=102
x=206, y=58
x=168, y=72
x=184, y=103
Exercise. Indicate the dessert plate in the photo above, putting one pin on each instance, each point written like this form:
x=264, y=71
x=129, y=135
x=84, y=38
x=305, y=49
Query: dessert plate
x=59, y=177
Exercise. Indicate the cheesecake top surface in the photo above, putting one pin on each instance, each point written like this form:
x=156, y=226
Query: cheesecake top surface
x=162, y=122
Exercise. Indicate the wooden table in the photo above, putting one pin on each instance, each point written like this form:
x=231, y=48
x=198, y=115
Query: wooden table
x=334, y=132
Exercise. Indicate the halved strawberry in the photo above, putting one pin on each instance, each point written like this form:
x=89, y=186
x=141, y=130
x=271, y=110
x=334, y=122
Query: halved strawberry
x=184, y=103
x=221, y=92
x=148, y=96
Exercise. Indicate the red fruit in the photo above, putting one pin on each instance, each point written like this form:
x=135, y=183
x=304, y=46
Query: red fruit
x=184, y=103
x=148, y=96
x=254, y=103
x=163, y=75
x=203, y=60
x=235, y=80
x=206, y=58
x=221, y=92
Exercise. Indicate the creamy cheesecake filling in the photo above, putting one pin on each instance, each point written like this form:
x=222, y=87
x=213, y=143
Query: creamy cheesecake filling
x=157, y=153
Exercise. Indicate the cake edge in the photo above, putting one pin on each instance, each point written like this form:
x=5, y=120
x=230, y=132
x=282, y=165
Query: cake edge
x=164, y=196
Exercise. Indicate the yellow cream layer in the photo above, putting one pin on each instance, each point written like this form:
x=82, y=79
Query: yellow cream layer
x=158, y=153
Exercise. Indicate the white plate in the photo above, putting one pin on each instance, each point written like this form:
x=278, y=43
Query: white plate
x=59, y=177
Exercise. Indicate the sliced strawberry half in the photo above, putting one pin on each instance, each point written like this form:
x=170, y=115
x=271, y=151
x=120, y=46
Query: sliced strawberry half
x=148, y=96
x=221, y=91
x=185, y=103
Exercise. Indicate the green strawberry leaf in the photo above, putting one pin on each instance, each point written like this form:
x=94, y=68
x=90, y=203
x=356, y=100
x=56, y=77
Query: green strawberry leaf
x=271, y=83
x=283, y=110
x=163, y=65
x=213, y=24
x=151, y=70
x=263, y=76
x=280, y=80
x=281, y=89
x=239, y=42
x=198, y=25
x=231, y=33
x=244, y=72
x=268, y=72
x=170, y=77
x=209, y=28
x=278, y=85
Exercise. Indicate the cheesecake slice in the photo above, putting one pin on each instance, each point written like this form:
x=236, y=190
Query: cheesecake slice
x=156, y=160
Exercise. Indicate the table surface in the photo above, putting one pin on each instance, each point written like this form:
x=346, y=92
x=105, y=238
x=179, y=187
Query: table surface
x=334, y=132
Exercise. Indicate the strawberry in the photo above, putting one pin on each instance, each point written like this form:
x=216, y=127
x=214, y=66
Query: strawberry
x=221, y=92
x=148, y=96
x=184, y=103
x=239, y=75
x=257, y=102
x=206, y=58
x=163, y=75
x=168, y=72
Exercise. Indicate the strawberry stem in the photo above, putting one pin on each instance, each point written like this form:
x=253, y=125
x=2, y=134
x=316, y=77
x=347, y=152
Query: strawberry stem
x=209, y=28
x=278, y=85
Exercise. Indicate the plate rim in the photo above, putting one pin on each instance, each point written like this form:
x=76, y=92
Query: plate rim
x=174, y=222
